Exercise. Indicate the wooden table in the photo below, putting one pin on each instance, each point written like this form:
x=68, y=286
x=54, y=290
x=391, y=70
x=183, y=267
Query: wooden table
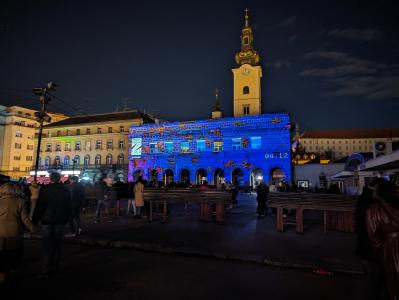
x=206, y=200
x=338, y=210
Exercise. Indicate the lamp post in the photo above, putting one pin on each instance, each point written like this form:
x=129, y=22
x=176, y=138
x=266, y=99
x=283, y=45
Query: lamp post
x=42, y=116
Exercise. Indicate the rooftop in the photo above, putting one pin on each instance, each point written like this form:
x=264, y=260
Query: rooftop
x=351, y=133
x=108, y=117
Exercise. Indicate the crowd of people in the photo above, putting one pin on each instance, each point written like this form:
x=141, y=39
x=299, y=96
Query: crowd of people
x=56, y=208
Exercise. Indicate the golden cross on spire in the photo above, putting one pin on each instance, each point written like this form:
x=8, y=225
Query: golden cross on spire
x=246, y=17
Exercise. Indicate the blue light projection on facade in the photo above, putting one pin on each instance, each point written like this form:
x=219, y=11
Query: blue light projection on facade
x=239, y=150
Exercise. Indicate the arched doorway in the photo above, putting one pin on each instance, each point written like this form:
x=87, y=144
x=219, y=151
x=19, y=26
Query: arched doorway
x=256, y=177
x=237, y=177
x=137, y=174
x=201, y=176
x=154, y=178
x=185, y=176
x=218, y=177
x=168, y=177
x=277, y=176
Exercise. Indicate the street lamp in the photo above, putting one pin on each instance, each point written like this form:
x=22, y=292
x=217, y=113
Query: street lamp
x=42, y=116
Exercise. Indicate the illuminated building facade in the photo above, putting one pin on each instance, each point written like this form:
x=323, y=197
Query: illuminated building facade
x=90, y=145
x=240, y=150
x=17, y=130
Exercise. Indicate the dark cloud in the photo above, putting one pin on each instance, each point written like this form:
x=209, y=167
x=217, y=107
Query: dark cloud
x=279, y=64
x=294, y=38
x=360, y=35
x=286, y=22
x=352, y=76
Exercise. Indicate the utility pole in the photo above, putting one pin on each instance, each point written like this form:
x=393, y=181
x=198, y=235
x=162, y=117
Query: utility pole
x=42, y=115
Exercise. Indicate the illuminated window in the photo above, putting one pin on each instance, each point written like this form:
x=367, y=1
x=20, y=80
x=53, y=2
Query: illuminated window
x=121, y=128
x=77, y=131
x=184, y=146
x=256, y=142
x=58, y=132
x=246, y=40
x=245, y=90
x=76, y=160
x=66, y=160
x=47, y=161
x=77, y=146
x=121, y=159
x=109, y=129
x=168, y=146
x=67, y=146
x=97, y=160
x=109, y=159
x=48, y=148
x=218, y=146
x=87, y=160
x=18, y=134
x=236, y=144
x=121, y=144
x=98, y=130
x=201, y=145
x=153, y=148
x=245, y=109
x=57, y=161
x=109, y=144
x=98, y=145
x=57, y=147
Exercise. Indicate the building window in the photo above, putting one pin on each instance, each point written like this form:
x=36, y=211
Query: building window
x=246, y=40
x=153, y=148
x=121, y=144
x=87, y=160
x=88, y=146
x=66, y=160
x=218, y=146
x=77, y=131
x=67, y=132
x=256, y=142
x=15, y=169
x=245, y=109
x=18, y=134
x=47, y=161
x=168, y=147
x=109, y=159
x=201, y=145
x=245, y=90
x=98, y=145
x=57, y=147
x=236, y=144
x=29, y=147
x=57, y=161
x=67, y=146
x=77, y=146
x=87, y=130
x=121, y=159
x=48, y=148
x=109, y=129
x=17, y=157
x=98, y=130
x=18, y=146
x=184, y=147
x=109, y=144
x=98, y=160
x=121, y=128
x=76, y=160
x=58, y=132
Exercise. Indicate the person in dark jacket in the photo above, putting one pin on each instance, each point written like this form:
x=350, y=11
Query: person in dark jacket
x=382, y=221
x=77, y=199
x=262, y=195
x=373, y=283
x=53, y=212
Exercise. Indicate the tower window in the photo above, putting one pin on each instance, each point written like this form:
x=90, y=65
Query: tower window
x=246, y=109
x=245, y=90
x=246, y=40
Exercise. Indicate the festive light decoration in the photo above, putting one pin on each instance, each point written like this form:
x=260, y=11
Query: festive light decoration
x=207, y=146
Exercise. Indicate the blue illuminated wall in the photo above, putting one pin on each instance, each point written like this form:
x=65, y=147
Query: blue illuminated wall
x=254, y=146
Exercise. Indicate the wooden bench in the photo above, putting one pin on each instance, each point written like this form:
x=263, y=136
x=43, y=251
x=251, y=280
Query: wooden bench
x=206, y=200
x=338, y=210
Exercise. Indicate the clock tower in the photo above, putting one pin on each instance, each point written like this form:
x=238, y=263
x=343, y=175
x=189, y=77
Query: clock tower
x=247, y=76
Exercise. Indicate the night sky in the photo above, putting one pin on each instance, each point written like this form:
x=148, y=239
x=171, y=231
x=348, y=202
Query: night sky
x=331, y=64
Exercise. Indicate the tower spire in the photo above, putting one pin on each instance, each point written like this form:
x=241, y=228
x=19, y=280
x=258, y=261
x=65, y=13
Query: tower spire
x=247, y=55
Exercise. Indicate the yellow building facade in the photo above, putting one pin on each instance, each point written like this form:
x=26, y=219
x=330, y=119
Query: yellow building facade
x=17, y=131
x=89, y=146
x=247, y=77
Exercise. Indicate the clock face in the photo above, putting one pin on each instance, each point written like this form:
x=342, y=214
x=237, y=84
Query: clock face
x=246, y=71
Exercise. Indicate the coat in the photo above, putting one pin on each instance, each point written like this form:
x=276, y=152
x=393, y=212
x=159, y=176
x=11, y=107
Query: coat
x=383, y=228
x=14, y=219
x=55, y=205
x=139, y=194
